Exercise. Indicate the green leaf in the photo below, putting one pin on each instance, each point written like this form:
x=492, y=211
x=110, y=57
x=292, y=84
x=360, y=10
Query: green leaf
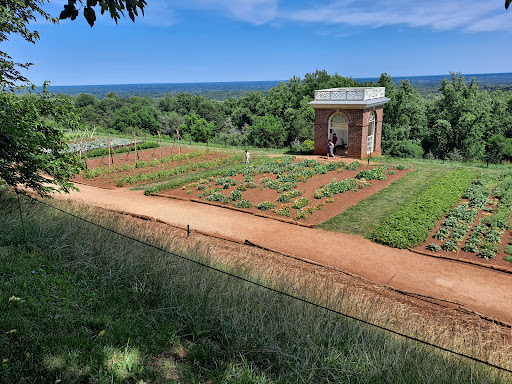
x=90, y=16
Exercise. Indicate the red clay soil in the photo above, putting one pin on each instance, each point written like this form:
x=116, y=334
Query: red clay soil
x=341, y=201
x=130, y=157
x=468, y=287
x=107, y=180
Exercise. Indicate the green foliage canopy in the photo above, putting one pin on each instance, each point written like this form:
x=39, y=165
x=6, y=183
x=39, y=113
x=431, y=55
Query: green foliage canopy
x=32, y=145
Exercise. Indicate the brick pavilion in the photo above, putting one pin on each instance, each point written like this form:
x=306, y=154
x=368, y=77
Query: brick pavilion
x=355, y=115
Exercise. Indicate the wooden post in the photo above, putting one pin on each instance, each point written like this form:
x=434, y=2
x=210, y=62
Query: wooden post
x=159, y=142
x=188, y=230
x=179, y=141
x=81, y=146
x=135, y=145
x=109, y=161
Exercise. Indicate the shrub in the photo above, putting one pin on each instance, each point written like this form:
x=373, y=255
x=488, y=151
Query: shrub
x=403, y=148
x=308, y=144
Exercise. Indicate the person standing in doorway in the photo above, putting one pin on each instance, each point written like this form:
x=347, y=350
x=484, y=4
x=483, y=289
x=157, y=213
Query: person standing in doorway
x=334, y=141
x=247, y=155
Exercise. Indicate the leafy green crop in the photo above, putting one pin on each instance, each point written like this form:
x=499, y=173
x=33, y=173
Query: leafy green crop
x=411, y=225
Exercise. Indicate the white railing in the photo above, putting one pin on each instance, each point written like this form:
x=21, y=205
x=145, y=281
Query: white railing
x=350, y=94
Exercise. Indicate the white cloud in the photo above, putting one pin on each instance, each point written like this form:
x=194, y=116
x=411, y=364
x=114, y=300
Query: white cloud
x=499, y=22
x=468, y=15
x=252, y=11
x=158, y=13
x=435, y=14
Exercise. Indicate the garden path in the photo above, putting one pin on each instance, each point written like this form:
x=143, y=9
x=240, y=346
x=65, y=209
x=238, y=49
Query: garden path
x=474, y=288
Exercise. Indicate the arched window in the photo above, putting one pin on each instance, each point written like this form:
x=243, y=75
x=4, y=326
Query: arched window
x=371, y=133
x=338, y=124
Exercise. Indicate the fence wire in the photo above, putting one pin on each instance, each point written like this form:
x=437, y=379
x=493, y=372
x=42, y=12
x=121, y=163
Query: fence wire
x=311, y=303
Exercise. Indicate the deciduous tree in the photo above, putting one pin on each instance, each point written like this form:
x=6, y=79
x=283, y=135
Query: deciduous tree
x=32, y=149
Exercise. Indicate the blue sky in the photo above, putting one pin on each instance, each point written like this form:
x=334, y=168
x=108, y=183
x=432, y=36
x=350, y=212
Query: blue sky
x=247, y=40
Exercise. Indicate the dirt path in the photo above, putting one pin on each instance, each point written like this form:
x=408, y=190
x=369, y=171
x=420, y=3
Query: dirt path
x=474, y=288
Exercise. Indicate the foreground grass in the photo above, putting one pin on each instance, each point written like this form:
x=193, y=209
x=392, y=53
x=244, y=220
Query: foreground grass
x=82, y=304
x=368, y=214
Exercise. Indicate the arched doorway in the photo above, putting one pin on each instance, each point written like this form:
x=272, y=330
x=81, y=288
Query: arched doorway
x=338, y=123
x=371, y=133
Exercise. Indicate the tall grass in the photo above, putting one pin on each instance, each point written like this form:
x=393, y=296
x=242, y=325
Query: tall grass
x=83, y=304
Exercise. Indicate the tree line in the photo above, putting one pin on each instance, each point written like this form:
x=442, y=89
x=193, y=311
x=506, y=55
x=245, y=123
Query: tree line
x=461, y=122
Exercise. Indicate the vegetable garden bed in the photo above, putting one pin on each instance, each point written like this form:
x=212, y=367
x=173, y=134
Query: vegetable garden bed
x=305, y=191
x=477, y=229
x=150, y=167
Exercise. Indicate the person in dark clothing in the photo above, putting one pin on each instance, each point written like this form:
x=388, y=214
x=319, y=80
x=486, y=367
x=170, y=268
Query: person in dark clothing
x=334, y=141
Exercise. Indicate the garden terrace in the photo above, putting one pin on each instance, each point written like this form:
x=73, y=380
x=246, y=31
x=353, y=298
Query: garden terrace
x=477, y=229
x=154, y=169
x=304, y=191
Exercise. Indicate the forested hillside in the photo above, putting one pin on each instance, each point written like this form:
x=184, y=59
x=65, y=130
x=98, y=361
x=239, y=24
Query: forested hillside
x=462, y=122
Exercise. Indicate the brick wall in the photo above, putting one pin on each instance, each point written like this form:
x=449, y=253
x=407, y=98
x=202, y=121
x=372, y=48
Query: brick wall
x=357, y=130
x=322, y=117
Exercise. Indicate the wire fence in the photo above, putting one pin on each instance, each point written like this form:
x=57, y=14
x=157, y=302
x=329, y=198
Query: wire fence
x=279, y=292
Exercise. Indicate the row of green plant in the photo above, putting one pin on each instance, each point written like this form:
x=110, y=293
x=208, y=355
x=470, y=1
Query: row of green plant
x=98, y=171
x=454, y=228
x=192, y=178
x=411, y=225
x=368, y=214
x=165, y=173
x=480, y=190
x=289, y=174
x=335, y=187
x=131, y=148
x=485, y=237
x=378, y=173
x=485, y=240
x=508, y=249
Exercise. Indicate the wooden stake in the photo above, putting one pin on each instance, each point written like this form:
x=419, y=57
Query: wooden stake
x=159, y=142
x=109, y=162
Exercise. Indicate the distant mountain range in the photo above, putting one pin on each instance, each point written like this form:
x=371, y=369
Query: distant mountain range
x=224, y=90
